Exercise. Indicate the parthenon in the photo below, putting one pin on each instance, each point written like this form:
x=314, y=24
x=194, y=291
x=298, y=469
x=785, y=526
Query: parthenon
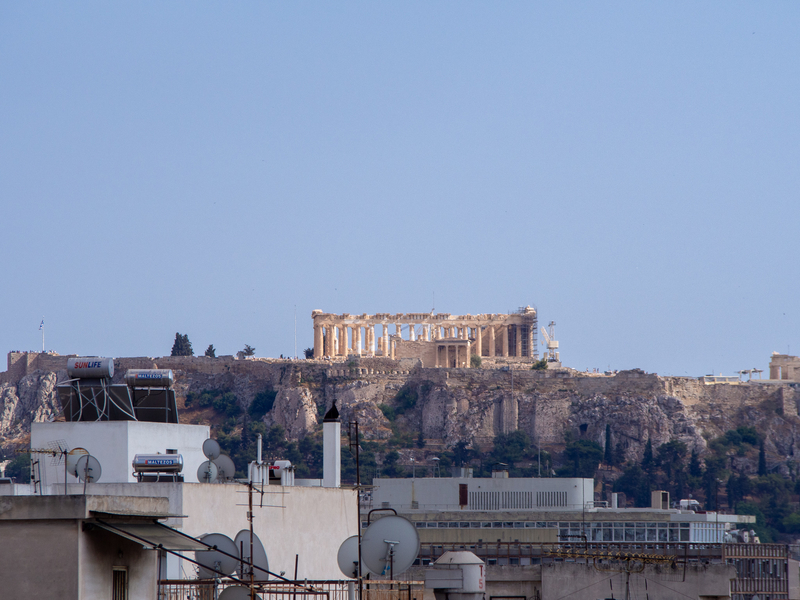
x=438, y=340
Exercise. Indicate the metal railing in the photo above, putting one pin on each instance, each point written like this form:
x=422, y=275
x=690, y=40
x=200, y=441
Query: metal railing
x=209, y=589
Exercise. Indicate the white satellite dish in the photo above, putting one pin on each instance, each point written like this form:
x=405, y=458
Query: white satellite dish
x=347, y=557
x=72, y=460
x=211, y=449
x=236, y=592
x=225, y=467
x=242, y=541
x=390, y=545
x=207, y=472
x=212, y=560
x=88, y=468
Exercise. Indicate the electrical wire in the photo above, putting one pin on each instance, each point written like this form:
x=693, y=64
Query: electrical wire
x=586, y=588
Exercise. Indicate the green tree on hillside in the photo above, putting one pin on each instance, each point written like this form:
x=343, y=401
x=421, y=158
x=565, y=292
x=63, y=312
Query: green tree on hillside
x=581, y=459
x=182, y=346
x=211, y=352
x=608, y=451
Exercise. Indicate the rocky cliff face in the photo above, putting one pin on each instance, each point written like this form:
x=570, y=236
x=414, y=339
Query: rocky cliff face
x=452, y=405
x=33, y=398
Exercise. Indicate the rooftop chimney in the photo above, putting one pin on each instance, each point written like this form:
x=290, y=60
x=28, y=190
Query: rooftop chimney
x=331, y=449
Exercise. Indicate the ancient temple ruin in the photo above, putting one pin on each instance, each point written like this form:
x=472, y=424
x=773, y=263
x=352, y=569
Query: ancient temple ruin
x=438, y=340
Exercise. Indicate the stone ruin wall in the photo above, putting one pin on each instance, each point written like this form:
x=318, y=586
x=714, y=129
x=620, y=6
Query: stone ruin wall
x=437, y=339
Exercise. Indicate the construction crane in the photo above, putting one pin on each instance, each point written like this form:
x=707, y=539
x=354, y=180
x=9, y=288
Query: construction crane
x=551, y=343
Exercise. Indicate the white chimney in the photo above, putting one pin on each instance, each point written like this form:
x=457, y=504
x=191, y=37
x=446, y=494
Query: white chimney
x=331, y=449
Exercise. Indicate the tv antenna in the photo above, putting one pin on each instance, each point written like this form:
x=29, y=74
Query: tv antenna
x=58, y=449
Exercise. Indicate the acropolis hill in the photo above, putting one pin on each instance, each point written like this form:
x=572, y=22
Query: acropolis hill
x=451, y=404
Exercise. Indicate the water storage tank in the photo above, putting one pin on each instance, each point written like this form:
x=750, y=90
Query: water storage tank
x=157, y=463
x=137, y=378
x=457, y=576
x=90, y=367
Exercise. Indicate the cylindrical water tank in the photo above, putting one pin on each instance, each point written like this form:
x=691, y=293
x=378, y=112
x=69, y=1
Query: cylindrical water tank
x=90, y=367
x=279, y=466
x=149, y=378
x=158, y=463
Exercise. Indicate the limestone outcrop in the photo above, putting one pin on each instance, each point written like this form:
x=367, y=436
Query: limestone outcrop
x=33, y=399
x=294, y=409
x=454, y=405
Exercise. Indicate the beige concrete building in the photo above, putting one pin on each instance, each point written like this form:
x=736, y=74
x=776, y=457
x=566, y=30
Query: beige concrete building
x=438, y=340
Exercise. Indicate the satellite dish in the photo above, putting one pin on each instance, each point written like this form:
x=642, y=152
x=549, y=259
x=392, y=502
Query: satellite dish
x=225, y=467
x=72, y=460
x=88, y=468
x=347, y=557
x=242, y=542
x=390, y=545
x=211, y=449
x=207, y=472
x=236, y=592
x=213, y=560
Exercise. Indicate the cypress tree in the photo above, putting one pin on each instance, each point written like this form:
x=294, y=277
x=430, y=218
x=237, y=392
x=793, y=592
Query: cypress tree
x=182, y=346
x=762, y=459
x=608, y=457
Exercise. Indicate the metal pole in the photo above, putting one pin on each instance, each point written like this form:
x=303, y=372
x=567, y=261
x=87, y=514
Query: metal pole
x=354, y=425
x=250, y=518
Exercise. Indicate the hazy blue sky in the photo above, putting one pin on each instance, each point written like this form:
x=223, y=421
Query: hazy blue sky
x=631, y=169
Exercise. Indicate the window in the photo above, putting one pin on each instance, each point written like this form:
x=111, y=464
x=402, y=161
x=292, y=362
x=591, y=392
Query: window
x=119, y=585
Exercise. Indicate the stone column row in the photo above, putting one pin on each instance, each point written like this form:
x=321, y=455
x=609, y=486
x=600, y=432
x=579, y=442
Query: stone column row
x=332, y=339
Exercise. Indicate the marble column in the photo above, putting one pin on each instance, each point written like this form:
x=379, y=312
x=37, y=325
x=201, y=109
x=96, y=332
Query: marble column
x=492, y=341
x=385, y=339
x=505, y=340
x=478, y=341
x=426, y=333
x=412, y=334
x=357, y=340
x=518, y=337
x=317, y=341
